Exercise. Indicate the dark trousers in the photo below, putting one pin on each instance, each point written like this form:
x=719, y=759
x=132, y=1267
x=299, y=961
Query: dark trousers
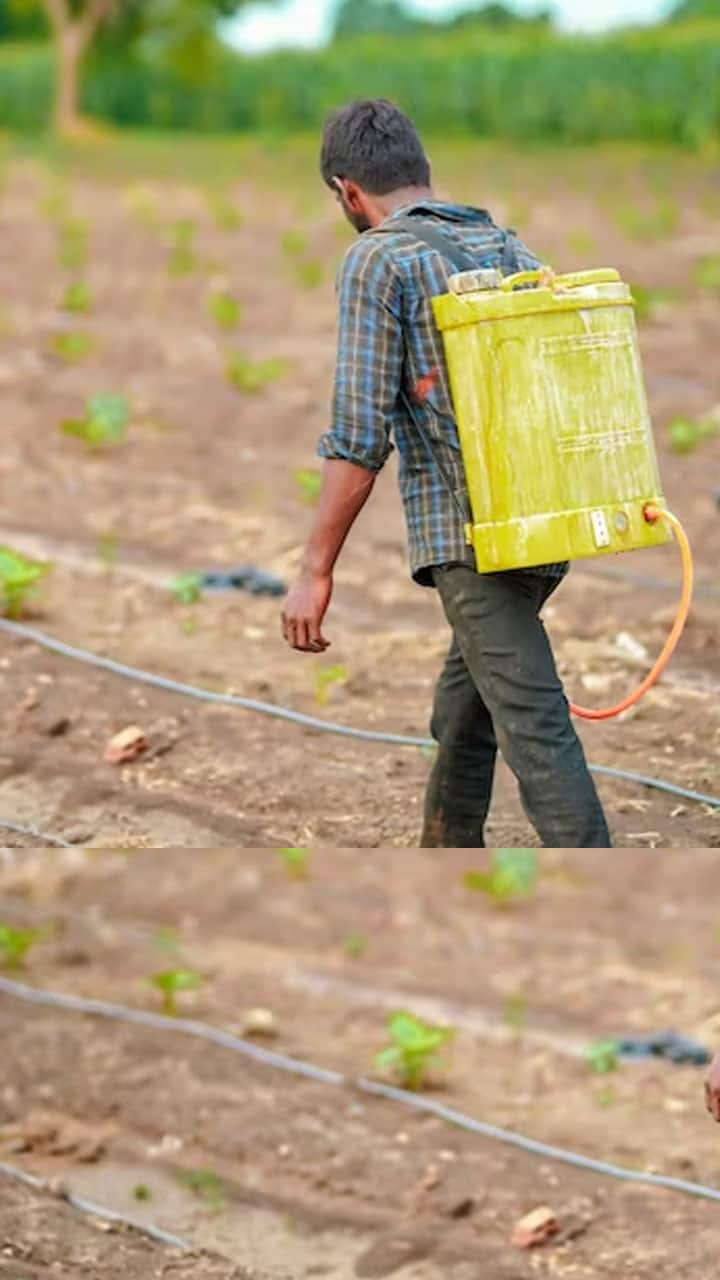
x=500, y=689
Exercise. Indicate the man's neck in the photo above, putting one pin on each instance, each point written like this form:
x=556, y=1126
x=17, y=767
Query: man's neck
x=385, y=206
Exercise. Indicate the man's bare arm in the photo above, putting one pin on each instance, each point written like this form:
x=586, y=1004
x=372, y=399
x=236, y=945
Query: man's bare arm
x=346, y=488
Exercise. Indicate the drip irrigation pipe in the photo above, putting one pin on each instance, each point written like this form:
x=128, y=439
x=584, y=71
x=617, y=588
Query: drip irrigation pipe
x=92, y=1209
x=270, y=1058
x=297, y=717
x=34, y=834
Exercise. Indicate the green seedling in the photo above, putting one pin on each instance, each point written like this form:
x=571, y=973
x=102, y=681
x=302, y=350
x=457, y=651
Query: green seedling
x=685, y=435
x=187, y=589
x=225, y=214
x=414, y=1048
x=190, y=625
x=141, y=1192
x=295, y=861
x=603, y=1057
x=355, y=945
x=78, y=297
x=649, y=301
x=515, y=1012
x=171, y=983
x=640, y=224
x=107, y=549
x=73, y=242
x=309, y=485
x=707, y=273
x=142, y=205
x=16, y=945
x=251, y=376
x=18, y=580
x=225, y=310
x=72, y=347
x=105, y=421
x=513, y=874
x=310, y=274
x=606, y=1097
x=206, y=1184
x=294, y=243
x=182, y=260
x=325, y=678
x=54, y=205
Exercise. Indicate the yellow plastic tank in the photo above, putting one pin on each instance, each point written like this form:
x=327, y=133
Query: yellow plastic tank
x=552, y=416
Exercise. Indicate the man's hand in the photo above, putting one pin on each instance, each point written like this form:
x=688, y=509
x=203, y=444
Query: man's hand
x=712, y=1089
x=305, y=607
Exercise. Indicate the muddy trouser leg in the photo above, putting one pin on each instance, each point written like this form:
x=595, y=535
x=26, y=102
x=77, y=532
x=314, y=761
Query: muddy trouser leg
x=460, y=786
x=505, y=648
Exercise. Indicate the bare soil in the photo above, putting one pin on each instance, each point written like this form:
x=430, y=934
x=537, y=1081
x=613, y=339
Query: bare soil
x=290, y=1178
x=206, y=479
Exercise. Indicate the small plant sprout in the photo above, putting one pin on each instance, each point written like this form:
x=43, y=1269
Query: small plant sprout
x=225, y=310
x=513, y=874
x=72, y=346
x=603, y=1057
x=293, y=243
x=515, y=1012
x=310, y=273
x=171, y=983
x=308, y=484
x=325, y=678
x=105, y=421
x=295, y=861
x=142, y=1192
x=224, y=212
x=77, y=297
x=16, y=944
x=355, y=945
x=182, y=260
x=73, y=242
x=208, y=1185
x=685, y=435
x=18, y=580
x=413, y=1051
x=707, y=273
x=187, y=588
x=251, y=376
x=107, y=549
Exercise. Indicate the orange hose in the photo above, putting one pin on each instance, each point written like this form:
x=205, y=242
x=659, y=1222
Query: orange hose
x=652, y=514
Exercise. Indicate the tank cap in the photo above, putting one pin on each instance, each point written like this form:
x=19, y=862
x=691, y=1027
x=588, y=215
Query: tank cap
x=474, y=281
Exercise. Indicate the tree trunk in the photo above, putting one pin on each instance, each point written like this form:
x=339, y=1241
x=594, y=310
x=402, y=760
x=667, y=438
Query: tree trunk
x=67, y=118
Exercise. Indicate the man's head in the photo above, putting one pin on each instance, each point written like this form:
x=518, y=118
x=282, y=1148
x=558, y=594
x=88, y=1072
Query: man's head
x=371, y=158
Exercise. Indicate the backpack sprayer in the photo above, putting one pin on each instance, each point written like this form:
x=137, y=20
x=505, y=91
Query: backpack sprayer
x=553, y=422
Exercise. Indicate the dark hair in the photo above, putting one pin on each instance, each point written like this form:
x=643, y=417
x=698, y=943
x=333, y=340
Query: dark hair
x=375, y=144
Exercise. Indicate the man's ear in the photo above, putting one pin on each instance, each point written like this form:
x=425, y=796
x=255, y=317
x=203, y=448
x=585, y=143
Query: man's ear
x=353, y=194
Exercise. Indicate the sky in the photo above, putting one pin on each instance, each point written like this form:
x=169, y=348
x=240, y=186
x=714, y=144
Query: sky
x=306, y=23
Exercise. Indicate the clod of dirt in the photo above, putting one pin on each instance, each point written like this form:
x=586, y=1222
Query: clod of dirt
x=259, y=1022
x=535, y=1228
x=126, y=745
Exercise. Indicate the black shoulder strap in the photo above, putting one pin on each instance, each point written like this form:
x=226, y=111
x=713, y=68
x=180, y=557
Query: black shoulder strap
x=433, y=234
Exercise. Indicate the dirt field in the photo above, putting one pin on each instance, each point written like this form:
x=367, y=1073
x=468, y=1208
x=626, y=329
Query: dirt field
x=274, y=1177
x=206, y=478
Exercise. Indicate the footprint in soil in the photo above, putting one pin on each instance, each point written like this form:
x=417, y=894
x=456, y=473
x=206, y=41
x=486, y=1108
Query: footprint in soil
x=394, y=1250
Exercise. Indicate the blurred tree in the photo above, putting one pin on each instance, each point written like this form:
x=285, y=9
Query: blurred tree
x=391, y=17
x=182, y=29
x=695, y=9
x=21, y=20
x=388, y=17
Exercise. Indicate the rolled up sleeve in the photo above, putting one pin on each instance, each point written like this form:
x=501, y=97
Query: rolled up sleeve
x=370, y=358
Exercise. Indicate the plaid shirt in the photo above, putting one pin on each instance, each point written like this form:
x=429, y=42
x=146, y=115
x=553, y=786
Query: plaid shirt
x=387, y=341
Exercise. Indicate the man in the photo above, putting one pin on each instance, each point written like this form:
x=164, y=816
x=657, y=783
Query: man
x=500, y=687
x=712, y=1088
